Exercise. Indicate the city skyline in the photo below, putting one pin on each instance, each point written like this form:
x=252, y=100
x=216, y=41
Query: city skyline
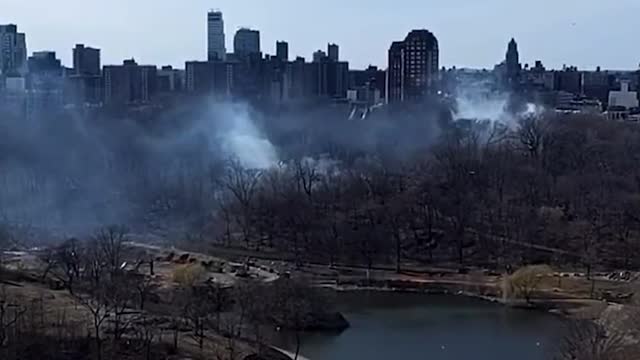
x=588, y=35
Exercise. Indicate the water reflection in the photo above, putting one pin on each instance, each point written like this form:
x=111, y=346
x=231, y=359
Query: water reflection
x=393, y=325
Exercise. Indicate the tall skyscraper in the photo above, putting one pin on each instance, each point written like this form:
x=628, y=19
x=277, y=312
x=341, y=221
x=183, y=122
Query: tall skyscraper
x=246, y=42
x=395, y=78
x=513, y=63
x=413, y=71
x=13, y=51
x=333, y=52
x=216, y=49
x=282, y=50
x=86, y=60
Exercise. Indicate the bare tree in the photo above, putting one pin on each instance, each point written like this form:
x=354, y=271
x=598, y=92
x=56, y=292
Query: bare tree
x=588, y=340
x=197, y=311
x=146, y=332
x=111, y=241
x=242, y=184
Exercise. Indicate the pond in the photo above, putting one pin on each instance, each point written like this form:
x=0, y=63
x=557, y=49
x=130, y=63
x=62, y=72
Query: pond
x=416, y=326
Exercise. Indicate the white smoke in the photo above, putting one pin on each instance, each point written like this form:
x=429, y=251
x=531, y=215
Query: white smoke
x=481, y=105
x=324, y=165
x=240, y=138
x=478, y=103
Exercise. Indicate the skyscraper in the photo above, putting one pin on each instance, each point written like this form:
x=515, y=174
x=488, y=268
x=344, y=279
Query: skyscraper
x=413, y=71
x=333, y=51
x=395, y=78
x=216, y=49
x=246, y=42
x=13, y=50
x=86, y=60
x=282, y=50
x=513, y=63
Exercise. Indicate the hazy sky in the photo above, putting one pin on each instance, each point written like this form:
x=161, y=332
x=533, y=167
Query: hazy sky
x=472, y=33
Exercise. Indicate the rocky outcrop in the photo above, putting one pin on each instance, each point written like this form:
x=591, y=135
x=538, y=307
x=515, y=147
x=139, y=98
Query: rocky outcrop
x=333, y=321
x=317, y=321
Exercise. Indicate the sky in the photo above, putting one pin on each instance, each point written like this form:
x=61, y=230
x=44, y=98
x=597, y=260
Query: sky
x=471, y=33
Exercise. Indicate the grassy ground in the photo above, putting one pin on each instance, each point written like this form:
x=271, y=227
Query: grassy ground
x=61, y=316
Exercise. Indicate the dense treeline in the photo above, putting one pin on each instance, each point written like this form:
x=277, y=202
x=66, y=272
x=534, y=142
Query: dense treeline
x=554, y=189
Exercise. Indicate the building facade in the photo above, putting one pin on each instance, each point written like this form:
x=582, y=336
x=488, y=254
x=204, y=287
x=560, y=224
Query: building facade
x=83, y=84
x=170, y=80
x=370, y=78
x=209, y=78
x=569, y=80
x=333, y=52
x=282, y=50
x=512, y=62
x=246, y=42
x=129, y=83
x=597, y=84
x=86, y=60
x=13, y=51
x=625, y=98
x=413, y=68
x=319, y=56
x=216, y=49
x=45, y=84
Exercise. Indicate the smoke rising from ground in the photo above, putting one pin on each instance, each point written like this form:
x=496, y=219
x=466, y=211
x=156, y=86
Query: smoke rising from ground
x=73, y=173
x=154, y=171
x=240, y=138
x=479, y=100
x=70, y=173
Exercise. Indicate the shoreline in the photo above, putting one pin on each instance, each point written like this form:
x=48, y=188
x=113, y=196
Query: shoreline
x=440, y=289
x=563, y=307
x=289, y=354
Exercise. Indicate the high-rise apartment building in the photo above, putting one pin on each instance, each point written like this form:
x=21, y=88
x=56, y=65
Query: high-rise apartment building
x=209, y=78
x=597, y=84
x=13, y=51
x=129, y=83
x=83, y=85
x=246, y=42
x=568, y=80
x=216, y=49
x=333, y=52
x=282, y=50
x=319, y=56
x=413, y=70
x=45, y=84
x=86, y=60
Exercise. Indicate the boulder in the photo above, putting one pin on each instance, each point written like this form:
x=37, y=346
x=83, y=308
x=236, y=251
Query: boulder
x=331, y=321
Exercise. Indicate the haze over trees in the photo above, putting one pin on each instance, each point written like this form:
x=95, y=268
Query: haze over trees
x=393, y=191
x=549, y=189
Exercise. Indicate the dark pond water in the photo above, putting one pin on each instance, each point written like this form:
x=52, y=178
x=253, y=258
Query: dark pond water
x=415, y=326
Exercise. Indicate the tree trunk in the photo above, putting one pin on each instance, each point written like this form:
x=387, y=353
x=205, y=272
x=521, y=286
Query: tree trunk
x=98, y=340
x=398, y=253
x=297, y=345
